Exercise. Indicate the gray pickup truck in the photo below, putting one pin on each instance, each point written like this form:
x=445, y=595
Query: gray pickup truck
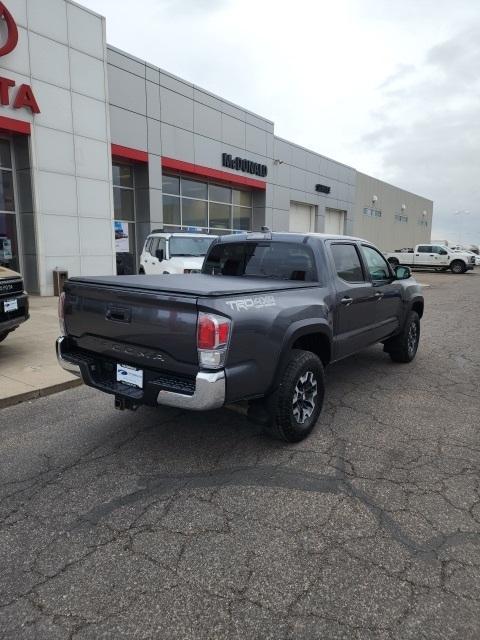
x=261, y=322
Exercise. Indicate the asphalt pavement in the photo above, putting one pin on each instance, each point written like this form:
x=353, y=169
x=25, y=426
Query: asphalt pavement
x=164, y=524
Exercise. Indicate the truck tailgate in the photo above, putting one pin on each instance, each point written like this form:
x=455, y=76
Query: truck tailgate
x=133, y=326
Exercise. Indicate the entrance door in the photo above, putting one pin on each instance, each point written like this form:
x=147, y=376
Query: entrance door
x=302, y=218
x=335, y=221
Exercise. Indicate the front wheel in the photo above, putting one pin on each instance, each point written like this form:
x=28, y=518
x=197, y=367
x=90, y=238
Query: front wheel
x=404, y=347
x=458, y=266
x=296, y=406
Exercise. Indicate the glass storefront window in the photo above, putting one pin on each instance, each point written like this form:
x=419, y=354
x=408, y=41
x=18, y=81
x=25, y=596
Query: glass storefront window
x=206, y=206
x=7, y=200
x=220, y=216
x=242, y=218
x=5, y=154
x=194, y=189
x=123, y=175
x=171, y=210
x=243, y=198
x=9, y=249
x=9, y=254
x=220, y=194
x=123, y=200
x=124, y=213
x=171, y=185
x=194, y=213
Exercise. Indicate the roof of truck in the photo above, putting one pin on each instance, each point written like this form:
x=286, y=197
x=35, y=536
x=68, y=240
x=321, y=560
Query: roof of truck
x=285, y=236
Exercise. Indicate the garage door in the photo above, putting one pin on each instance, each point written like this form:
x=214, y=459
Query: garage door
x=335, y=221
x=302, y=217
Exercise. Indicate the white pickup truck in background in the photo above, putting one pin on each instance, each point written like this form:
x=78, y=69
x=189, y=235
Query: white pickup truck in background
x=432, y=256
x=180, y=252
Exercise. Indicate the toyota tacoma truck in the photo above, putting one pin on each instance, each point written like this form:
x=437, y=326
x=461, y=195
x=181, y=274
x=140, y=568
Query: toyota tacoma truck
x=13, y=302
x=267, y=315
x=431, y=256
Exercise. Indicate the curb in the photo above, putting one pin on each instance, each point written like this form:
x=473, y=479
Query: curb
x=38, y=393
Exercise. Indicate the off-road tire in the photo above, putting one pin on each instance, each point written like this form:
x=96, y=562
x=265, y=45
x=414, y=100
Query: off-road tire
x=285, y=414
x=458, y=266
x=403, y=348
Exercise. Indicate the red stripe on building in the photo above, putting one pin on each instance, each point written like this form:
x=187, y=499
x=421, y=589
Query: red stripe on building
x=215, y=174
x=126, y=153
x=14, y=126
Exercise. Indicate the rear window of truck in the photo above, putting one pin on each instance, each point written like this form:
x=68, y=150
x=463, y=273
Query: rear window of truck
x=263, y=259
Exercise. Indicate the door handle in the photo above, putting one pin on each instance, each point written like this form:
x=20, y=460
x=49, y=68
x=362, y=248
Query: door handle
x=346, y=301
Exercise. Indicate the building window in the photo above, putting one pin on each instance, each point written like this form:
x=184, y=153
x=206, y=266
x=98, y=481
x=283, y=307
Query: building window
x=9, y=249
x=205, y=207
x=372, y=213
x=124, y=212
x=400, y=218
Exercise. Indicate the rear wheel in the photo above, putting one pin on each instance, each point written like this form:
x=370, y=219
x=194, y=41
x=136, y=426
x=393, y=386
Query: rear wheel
x=458, y=266
x=404, y=347
x=296, y=406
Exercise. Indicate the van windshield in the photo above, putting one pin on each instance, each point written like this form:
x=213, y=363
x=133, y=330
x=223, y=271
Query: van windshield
x=189, y=247
x=276, y=260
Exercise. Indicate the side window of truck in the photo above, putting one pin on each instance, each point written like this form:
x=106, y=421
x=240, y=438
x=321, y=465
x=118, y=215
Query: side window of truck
x=347, y=262
x=424, y=248
x=376, y=263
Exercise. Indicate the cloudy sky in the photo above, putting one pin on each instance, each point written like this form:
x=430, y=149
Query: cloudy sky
x=391, y=88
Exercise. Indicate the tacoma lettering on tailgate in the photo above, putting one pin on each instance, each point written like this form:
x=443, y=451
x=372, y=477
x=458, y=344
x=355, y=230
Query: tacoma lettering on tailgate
x=258, y=302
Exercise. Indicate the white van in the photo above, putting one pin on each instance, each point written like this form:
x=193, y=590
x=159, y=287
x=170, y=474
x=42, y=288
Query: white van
x=174, y=252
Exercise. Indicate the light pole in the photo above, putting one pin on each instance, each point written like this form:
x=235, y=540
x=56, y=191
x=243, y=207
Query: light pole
x=462, y=212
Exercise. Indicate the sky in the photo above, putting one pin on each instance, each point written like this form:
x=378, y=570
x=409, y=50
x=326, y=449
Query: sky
x=389, y=87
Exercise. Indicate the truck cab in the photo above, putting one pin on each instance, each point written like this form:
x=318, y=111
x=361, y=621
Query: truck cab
x=165, y=253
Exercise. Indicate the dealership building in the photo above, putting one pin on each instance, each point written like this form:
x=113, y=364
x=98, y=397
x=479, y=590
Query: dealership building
x=97, y=148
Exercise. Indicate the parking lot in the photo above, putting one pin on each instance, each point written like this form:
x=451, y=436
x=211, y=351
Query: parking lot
x=164, y=524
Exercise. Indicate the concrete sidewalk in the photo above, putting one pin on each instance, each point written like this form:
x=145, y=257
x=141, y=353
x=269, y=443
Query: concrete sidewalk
x=28, y=364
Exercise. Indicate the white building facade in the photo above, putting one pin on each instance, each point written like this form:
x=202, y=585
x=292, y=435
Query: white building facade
x=97, y=148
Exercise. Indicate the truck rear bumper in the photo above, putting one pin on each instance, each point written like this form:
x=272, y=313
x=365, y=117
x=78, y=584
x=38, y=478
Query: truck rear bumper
x=208, y=392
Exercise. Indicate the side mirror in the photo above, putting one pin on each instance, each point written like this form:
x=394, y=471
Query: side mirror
x=443, y=252
x=402, y=273
x=159, y=254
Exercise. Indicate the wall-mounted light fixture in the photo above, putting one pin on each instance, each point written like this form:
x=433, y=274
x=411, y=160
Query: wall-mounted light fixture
x=374, y=199
x=404, y=206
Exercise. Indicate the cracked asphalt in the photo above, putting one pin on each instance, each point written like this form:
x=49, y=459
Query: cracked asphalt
x=164, y=524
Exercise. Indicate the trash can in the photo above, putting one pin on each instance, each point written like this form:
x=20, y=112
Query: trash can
x=59, y=278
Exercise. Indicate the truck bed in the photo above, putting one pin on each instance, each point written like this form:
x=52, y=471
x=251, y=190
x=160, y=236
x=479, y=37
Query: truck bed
x=196, y=285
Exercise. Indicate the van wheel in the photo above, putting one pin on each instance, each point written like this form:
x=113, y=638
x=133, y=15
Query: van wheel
x=458, y=266
x=404, y=347
x=296, y=405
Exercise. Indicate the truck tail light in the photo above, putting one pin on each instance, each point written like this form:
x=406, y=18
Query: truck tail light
x=61, y=313
x=213, y=336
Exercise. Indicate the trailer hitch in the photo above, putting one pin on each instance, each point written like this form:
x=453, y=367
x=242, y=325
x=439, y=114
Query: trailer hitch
x=122, y=404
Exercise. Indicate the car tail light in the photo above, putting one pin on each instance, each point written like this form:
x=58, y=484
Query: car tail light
x=213, y=336
x=61, y=313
